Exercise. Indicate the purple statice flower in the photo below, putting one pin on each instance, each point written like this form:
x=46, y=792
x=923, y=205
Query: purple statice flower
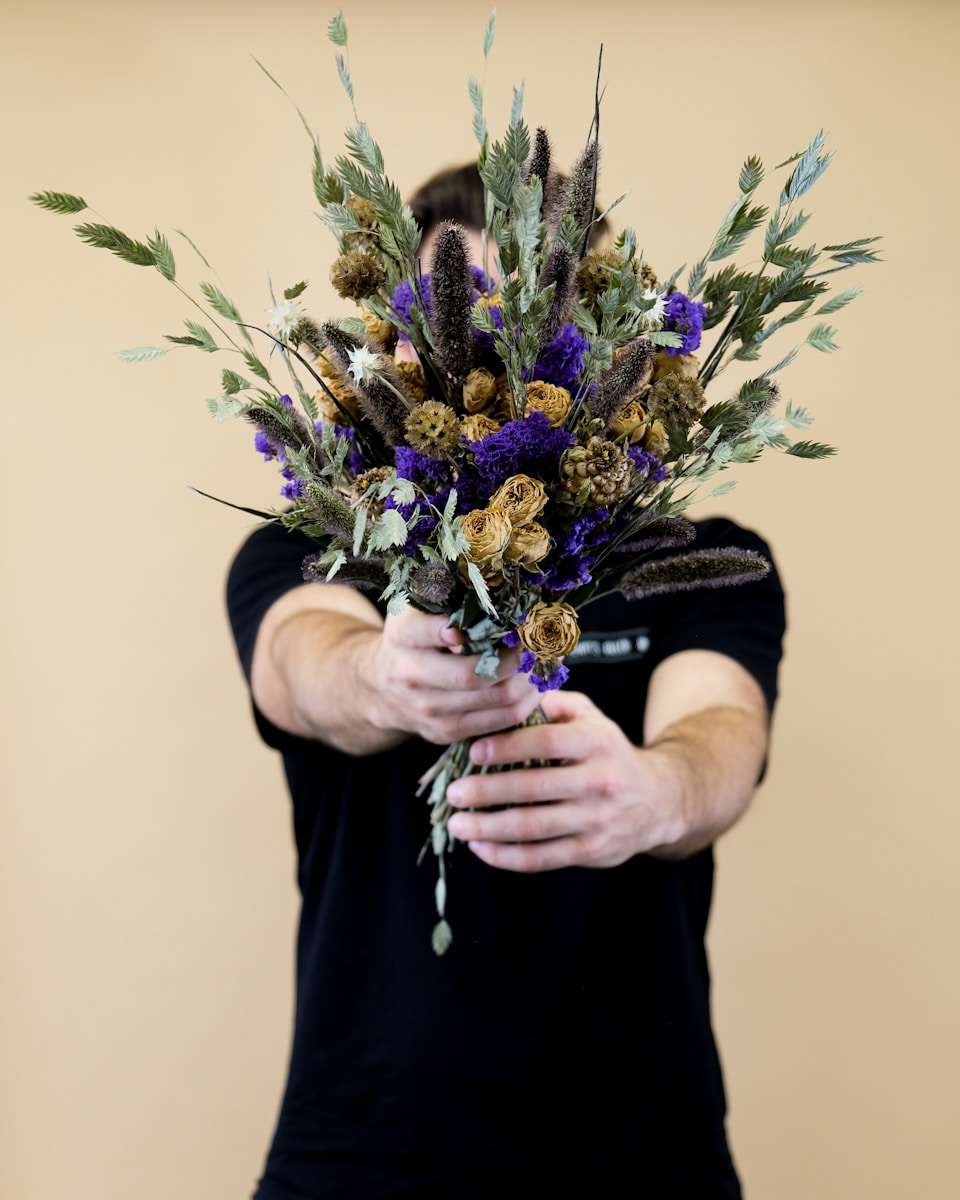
x=286, y=401
x=561, y=359
x=418, y=468
x=510, y=639
x=482, y=340
x=404, y=298
x=646, y=464
x=264, y=446
x=529, y=446
x=684, y=316
x=556, y=679
x=528, y=660
x=293, y=488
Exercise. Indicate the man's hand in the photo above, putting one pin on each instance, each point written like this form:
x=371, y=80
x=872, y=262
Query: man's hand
x=606, y=799
x=326, y=665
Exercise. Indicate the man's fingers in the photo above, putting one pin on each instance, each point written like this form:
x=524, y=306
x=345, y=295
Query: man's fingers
x=524, y=823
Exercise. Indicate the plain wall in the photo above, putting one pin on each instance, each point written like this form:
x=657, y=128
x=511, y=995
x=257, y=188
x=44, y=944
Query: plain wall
x=147, y=898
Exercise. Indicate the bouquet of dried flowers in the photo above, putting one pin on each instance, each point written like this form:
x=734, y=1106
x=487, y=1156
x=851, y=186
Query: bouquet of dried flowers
x=546, y=424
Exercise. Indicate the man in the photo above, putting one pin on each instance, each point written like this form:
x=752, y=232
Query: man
x=564, y=1041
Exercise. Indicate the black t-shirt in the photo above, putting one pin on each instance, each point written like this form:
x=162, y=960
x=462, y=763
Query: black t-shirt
x=564, y=1040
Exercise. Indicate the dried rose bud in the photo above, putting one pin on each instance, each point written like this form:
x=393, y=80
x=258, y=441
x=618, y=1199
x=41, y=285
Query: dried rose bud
x=379, y=331
x=413, y=381
x=529, y=545
x=550, y=630
x=487, y=530
x=479, y=390
x=655, y=440
x=521, y=498
x=686, y=366
x=554, y=402
x=629, y=424
x=476, y=427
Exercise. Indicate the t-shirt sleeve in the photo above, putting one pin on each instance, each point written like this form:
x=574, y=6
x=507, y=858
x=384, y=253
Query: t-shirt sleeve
x=745, y=621
x=266, y=567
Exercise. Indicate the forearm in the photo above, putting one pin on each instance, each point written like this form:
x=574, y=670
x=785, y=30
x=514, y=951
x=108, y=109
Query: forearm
x=325, y=662
x=708, y=765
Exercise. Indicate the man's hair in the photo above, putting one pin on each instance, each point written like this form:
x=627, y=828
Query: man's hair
x=453, y=194
x=456, y=194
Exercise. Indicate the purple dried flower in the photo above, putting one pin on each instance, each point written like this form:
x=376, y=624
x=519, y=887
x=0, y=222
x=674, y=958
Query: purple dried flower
x=684, y=316
x=556, y=679
x=529, y=446
x=528, y=661
x=647, y=464
x=561, y=359
x=264, y=446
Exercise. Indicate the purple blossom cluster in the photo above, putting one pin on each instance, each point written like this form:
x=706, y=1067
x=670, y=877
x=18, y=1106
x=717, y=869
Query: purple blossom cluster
x=646, y=464
x=684, y=316
x=561, y=359
x=529, y=446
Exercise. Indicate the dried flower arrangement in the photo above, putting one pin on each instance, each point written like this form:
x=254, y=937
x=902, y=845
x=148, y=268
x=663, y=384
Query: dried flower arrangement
x=551, y=423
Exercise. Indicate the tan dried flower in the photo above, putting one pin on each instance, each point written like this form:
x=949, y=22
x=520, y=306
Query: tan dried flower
x=433, y=429
x=413, y=381
x=328, y=411
x=356, y=275
x=487, y=530
x=655, y=440
x=593, y=274
x=687, y=366
x=381, y=332
x=554, y=402
x=365, y=238
x=364, y=490
x=477, y=426
x=479, y=390
x=648, y=277
x=629, y=423
x=676, y=401
x=529, y=545
x=550, y=630
x=521, y=498
x=598, y=473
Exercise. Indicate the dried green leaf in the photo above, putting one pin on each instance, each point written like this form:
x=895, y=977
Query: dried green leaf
x=821, y=338
x=59, y=202
x=291, y=293
x=140, y=354
x=337, y=29
x=106, y=237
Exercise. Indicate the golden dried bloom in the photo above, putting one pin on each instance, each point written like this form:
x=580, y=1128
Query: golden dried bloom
x=593, y=273
x=598, y=473
x=648, y=278
x=687, y=366
x=655, y=440
x=529, y=545
x=676, y=401
x=550, y=630
x=328, y=411
x=365, y=210
x=413, y=382
x=554, y=402
x=479, y=390
x=433, y=429
x=356, y=275
x=364, y=489
x=382, y=332
x=521, y=498
x=487, y=530
x=477, y=426
x=629, y=423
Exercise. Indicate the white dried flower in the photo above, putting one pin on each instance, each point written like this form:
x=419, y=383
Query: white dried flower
x=283, y=318
x=654, y=314
x=364, y=364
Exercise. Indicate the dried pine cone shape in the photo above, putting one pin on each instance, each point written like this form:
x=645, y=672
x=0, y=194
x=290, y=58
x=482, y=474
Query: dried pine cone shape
x=598, y=473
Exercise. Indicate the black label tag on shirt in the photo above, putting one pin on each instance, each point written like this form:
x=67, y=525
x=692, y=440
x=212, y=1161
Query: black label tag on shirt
x=611, y=646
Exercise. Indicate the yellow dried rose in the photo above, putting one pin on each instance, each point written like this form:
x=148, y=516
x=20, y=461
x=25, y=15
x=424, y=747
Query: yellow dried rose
x=629, y=423
x=685, y=366
x=413, y=382
x=655, y=440
x=487, y=530
x=529, y=545
x=554, y=402
x=380, y=331
x=327, y=410
x=521, y=498
x=550, y=630
x=479, y=390
x=477, y=426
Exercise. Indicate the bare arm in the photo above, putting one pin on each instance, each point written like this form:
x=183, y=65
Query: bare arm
x=327, y=666
x=706, y=736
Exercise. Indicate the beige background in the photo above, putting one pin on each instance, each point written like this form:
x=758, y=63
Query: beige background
x=146, y=871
